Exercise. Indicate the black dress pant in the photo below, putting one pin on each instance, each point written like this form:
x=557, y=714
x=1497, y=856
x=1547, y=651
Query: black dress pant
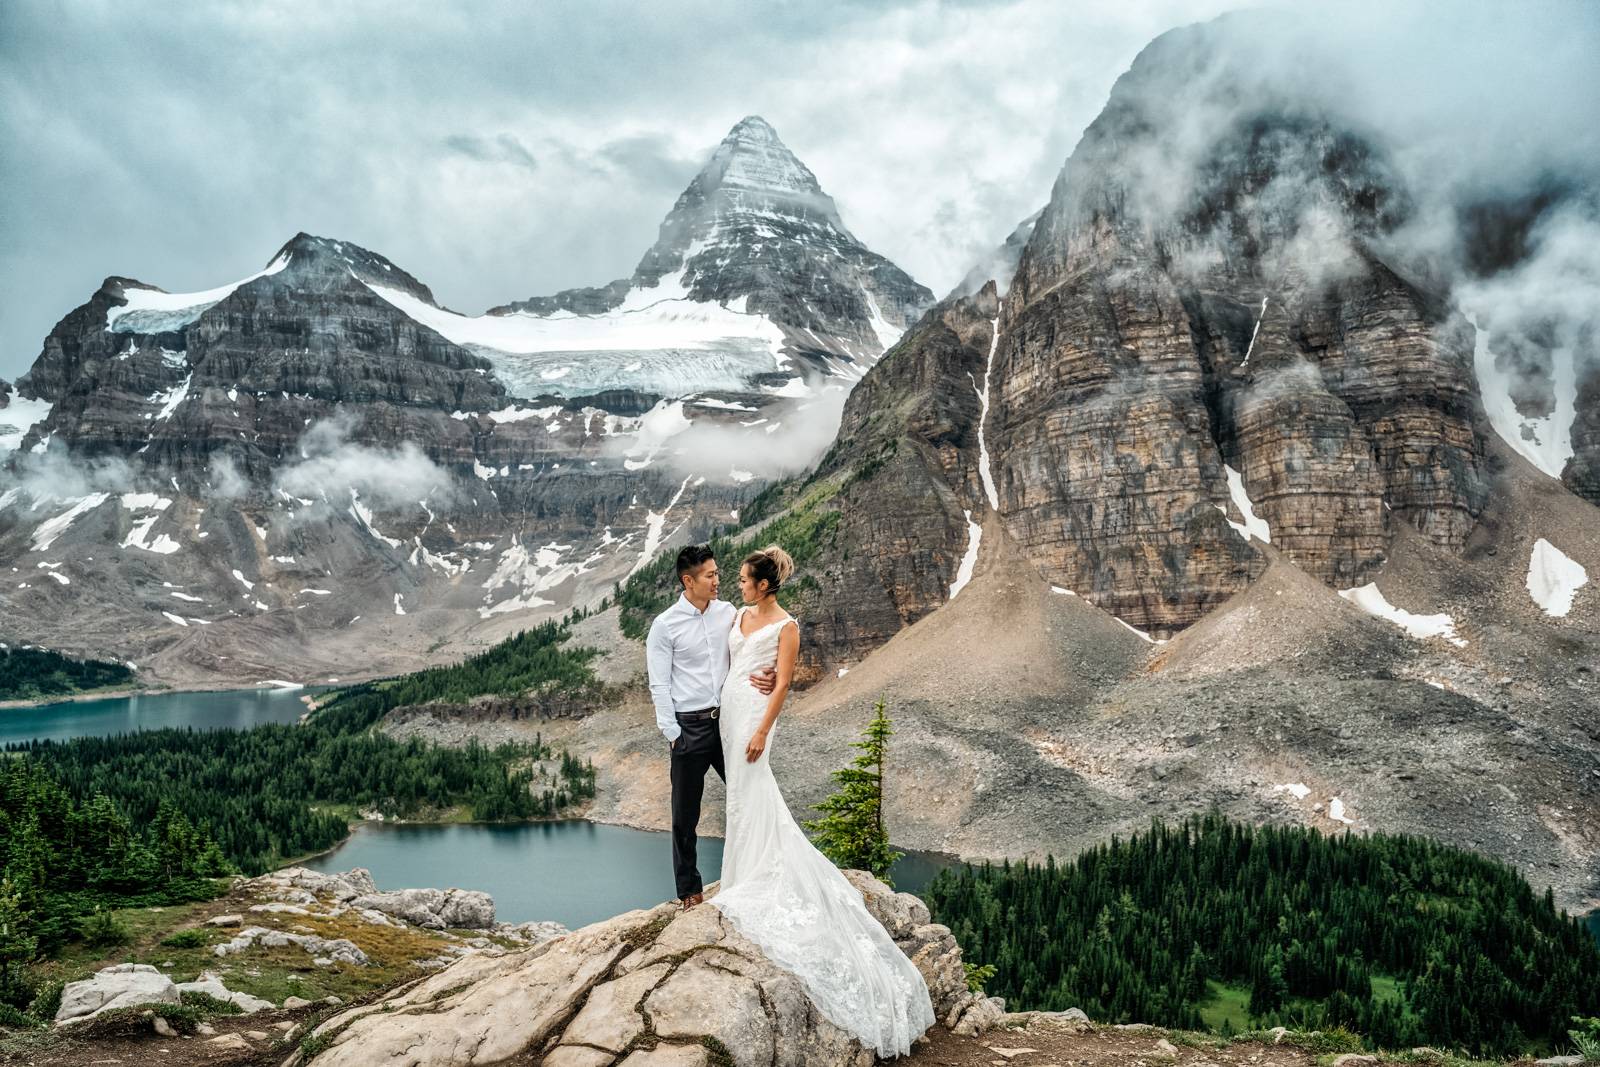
x=699, y=746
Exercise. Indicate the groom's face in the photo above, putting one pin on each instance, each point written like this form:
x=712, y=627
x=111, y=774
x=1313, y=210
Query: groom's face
x=701, y=582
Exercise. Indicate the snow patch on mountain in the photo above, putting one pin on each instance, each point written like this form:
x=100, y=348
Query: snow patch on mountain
x=1371, y=600
x=969, y=561
x=1252, y=526
x=153, y=310
x=18, y=417
x=47, y=532
x=984, y=471
x=1544, y=441
x=658, y=341
x=1554, y=578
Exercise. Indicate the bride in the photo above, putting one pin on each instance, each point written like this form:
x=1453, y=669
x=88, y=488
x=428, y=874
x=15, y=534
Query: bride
x=777, y=889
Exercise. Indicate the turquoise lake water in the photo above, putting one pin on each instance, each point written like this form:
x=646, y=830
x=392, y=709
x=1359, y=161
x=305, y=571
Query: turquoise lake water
x=572, y=871
x=103, y=716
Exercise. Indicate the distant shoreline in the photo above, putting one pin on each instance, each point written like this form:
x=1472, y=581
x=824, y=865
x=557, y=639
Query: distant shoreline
x=166, y=690
x=88, y=694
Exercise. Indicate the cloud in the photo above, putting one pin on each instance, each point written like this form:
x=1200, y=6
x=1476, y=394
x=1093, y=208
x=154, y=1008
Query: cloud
x=691, y=441
x=58, y=474
x=407, y=128
x=332, y=465
x=504, y=148
x=1461, y=149
x=227, y=483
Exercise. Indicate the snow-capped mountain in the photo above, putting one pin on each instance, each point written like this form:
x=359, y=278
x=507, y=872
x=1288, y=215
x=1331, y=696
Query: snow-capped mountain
x=754, y=285
x=318, y=468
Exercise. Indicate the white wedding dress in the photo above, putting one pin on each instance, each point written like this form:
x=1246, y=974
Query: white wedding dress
x=790, y=899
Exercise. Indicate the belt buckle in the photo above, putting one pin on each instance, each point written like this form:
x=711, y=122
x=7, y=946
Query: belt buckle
x=714, y=712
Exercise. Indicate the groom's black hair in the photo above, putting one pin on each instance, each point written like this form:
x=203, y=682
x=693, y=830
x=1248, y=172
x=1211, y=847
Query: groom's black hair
x=690, y=557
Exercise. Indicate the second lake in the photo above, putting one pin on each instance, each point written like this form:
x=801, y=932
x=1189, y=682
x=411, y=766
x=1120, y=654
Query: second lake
x=573, y=871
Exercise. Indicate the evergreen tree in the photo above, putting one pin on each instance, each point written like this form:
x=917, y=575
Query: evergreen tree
x=17, y=946
x=851, y=831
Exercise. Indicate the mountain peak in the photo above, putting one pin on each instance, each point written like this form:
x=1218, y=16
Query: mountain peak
x=306, y=254
x=753, y=128
x=752, y=159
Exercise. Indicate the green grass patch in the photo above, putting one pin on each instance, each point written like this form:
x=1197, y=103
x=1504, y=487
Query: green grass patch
x=1226, y=1002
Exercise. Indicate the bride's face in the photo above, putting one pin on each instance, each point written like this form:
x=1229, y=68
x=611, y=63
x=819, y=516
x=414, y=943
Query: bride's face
x=749, y=589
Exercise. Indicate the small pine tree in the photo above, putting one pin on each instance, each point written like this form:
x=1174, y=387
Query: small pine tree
x=17, y=946
x=851, y=831
x=103, y=929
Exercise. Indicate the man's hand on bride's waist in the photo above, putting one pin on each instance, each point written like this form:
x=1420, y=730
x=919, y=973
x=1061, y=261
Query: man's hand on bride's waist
x=764, y=680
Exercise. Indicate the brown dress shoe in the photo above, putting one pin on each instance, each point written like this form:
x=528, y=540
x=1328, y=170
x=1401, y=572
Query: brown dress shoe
x=691, y=900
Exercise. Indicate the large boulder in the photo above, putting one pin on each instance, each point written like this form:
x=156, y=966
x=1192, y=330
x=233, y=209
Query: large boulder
x=434, y=909
x=211, y=985
x=299, y=885
x=337, y=949
x=647, y=988
x=125, y=985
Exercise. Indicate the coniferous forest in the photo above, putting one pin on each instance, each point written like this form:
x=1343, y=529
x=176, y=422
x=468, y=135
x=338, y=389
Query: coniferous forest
x=1400, y=939
x=63, y=857
x=149, y=817
x=38, y=674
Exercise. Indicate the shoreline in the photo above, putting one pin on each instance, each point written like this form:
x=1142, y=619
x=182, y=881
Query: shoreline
x=351, y=828
x=89, y=694
x=166, y=690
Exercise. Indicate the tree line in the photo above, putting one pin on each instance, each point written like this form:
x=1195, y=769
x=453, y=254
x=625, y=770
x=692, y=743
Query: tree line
x=1404, y=940
x=38, y=673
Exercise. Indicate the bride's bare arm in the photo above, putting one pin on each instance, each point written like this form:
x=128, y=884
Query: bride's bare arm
x=788, y=652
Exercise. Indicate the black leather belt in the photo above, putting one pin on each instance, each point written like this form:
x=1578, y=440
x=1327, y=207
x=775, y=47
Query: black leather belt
x=696, y=716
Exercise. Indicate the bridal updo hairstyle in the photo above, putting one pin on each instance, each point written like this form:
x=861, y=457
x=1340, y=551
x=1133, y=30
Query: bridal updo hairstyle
x=771, y=565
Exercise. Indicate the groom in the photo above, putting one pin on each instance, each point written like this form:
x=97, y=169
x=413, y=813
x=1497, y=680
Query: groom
x=687, y=657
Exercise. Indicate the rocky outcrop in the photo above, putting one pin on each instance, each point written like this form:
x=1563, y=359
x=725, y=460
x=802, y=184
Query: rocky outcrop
x=301, y=885
x=211, y=985
x=907, y=460
x=324, y=951
x=123, y=985
x=647, y=987
x=434, y=909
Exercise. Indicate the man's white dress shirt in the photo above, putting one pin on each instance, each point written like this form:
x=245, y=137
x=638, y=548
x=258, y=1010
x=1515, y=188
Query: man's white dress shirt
x=687, y=658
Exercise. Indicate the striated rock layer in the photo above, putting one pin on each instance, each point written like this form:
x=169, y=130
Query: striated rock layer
x=1207, y=345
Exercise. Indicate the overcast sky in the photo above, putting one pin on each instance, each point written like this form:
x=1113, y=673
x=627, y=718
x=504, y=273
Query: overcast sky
x=504, y=150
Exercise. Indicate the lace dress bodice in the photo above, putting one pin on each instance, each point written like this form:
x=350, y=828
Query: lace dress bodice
x=789, y=898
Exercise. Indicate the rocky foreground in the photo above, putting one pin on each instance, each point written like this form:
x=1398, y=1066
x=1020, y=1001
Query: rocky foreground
x=654, y=986
x=649, y=987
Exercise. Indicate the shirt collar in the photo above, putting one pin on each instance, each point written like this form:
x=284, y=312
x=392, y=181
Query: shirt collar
x=684, y=606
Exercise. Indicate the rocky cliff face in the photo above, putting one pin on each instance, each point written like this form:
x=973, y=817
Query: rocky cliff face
x=1203, y=350
x=1155, y=344
x=908, y=459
